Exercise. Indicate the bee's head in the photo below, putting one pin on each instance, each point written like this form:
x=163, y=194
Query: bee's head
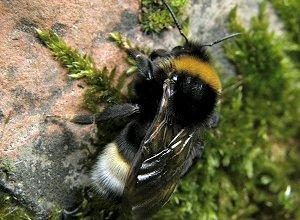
x=191, y=48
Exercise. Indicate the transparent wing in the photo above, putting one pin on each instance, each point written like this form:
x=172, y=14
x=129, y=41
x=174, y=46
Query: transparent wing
x=159, y=162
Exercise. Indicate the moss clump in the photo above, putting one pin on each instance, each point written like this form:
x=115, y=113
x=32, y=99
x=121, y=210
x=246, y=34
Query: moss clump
x=155, y=18
x=269, y=75
x=100, y=81
x=248, y=170
x=10, y=211
x=126, y=44
x=288, y=11
x=7, y=166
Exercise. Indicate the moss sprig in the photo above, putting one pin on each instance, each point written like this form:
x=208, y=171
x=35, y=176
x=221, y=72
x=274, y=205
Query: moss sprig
x=155, y=18
x=288, y=11
x=82, y=66
x=9, y=210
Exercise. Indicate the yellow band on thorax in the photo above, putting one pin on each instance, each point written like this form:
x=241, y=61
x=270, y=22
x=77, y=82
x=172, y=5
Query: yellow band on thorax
x=198, y=68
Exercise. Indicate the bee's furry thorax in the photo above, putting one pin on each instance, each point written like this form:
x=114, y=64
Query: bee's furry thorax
x=196, y=67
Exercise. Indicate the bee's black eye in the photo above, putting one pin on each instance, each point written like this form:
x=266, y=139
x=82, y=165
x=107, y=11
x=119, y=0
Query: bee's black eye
x=180, y=50
x=191, y=86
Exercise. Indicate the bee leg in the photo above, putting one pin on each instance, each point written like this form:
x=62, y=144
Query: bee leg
x=144, y=64
x=109, y=113
x=83, y=119
x=214, y=120
x=117, y=111
x=159, y=53
x=66, y=214
x=78, y=119
x=192, y=158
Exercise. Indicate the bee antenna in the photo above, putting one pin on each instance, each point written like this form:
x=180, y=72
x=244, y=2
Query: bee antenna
x=223, y=39
x=175, y=20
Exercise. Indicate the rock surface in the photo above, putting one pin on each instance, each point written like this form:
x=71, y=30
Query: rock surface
x=47, y=157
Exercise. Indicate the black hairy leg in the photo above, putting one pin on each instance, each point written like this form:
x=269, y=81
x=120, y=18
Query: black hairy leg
x=144, y=64
x=193, y=157
x=213, y=120
x=117, y=111
x=130, y=138
x=69, y=214
x=109, y=113
x=159, y=53
x=196, y=151
x=148, y=84
x=148, y=94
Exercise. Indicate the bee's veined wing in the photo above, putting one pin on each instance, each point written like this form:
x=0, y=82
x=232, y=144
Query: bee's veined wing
x=159, y=162
x=151, y=184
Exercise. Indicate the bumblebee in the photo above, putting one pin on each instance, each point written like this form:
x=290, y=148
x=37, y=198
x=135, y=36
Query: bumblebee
x=175, y=95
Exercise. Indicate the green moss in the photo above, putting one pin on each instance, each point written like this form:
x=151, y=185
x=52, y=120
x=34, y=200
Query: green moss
x=126, y=45
x=288, y=11
x=6, y=165
x=155, y=18
x=10, y=211
x=248, y=170
x=268, y=74
x=55, y=214
x=100, y=81
x=9, y=208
